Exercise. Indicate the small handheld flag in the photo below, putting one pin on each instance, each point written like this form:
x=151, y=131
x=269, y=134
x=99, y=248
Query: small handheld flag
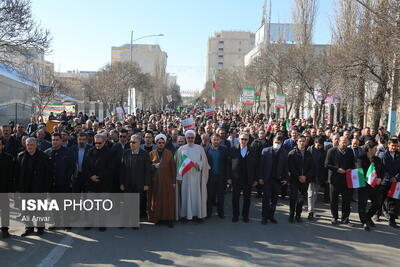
x=394, y=191
x=355, y=178
x=185, y=164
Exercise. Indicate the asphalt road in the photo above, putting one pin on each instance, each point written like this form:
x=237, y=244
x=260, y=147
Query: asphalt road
x=216, y=242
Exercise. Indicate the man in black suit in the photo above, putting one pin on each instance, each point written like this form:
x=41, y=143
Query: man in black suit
x=273, y=173
x=6, y=186
x=257, y=146
x=123, y=143
x=242, y=176
x=217, y=155
x=79, y=155
x=301, y=169
x=338, y=160
x=33, y=175
x=135, y=171
x=100, y=166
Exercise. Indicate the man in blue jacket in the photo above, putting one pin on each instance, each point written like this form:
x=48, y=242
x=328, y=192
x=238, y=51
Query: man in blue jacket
x=391, y=174
x=217, y=155
x=273, y=173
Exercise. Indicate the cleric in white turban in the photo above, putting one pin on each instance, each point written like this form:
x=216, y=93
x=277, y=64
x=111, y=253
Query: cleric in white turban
x=160, y=136
x=193, y=180
x=190, y=132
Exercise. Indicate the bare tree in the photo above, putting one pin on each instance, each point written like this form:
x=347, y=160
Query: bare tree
x=19, y=33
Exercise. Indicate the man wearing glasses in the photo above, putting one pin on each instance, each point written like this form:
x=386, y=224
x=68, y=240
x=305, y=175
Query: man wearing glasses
x=122, y=144
x=194, y=181
x=101, y=167
x=242, y=176
x=148, y=142
x=161, y=193
x=135, y=171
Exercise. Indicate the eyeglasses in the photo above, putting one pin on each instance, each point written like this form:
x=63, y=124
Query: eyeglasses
x=98, y=143
x=133, y=142
x=244, y=139
x=189, y=137
x=161, y=143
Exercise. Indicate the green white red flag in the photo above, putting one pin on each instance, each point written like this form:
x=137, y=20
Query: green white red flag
x=185, y=164
x=394, y=191
x=287, y=125
x=355, y=178
x=214, y=90
x=371, y=176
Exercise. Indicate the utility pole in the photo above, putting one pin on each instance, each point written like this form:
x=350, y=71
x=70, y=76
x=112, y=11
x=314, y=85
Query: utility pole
x=131, y=46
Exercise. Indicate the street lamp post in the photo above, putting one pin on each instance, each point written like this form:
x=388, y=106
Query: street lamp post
x=143, y=37
x=131, y=93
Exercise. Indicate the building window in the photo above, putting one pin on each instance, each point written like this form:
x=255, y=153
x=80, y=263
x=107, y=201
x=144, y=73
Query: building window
x=221, y=42
x=239, y=50
x=221, y=57
x=221, y=49
x=220, y=64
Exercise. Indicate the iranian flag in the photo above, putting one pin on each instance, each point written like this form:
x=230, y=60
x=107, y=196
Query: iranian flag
x=371, y=176
x=355, y=178
x=287, y=124
x=214, y=90
x=394, y=191
x=185, y=164
x=269, y=125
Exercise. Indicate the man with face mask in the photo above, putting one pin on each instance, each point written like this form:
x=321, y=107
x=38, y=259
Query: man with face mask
x=318, y=155
x=273, y=173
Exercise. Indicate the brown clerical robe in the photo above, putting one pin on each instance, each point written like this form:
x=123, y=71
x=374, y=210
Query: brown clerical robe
x=161, y=194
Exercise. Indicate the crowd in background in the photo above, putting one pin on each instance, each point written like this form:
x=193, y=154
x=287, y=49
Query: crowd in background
x=243, y=153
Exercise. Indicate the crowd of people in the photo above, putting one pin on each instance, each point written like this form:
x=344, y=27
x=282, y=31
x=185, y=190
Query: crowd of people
x=183, y=174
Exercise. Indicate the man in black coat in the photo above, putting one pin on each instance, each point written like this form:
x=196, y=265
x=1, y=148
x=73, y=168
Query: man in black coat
x=100, y=166
x=318, y=154
x=217, y=155
x=257, y=146
x=6, y=186
x=371, y=192
x=11, y=144
x=79, y=154
x=338, y=160
x=62, y=165
x=33, y=174
x=242, y=174
x=135, y=171
x=273, y=173
x=63, y=168
x=301, y=169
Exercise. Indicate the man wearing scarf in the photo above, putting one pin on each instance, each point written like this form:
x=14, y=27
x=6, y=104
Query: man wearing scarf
x=161, y=194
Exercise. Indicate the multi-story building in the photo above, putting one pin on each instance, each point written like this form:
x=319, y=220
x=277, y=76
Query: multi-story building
x=271, y=33
x=226, y=50
x=150, y=58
